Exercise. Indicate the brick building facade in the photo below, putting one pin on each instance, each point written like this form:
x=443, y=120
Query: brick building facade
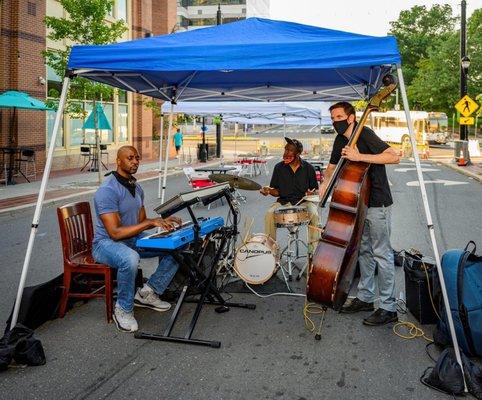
x=22, y=68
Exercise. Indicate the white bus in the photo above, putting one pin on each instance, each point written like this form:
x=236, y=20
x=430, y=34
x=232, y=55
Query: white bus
x=391, y=126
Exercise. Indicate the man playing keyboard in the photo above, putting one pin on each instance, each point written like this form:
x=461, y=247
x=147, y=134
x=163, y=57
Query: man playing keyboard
x=120, y=221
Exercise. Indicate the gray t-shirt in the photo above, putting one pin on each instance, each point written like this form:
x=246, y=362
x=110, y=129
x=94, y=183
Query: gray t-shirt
x=113, y=197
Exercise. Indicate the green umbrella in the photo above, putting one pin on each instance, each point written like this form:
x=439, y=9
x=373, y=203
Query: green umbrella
x=21, y=100
x=102, y=121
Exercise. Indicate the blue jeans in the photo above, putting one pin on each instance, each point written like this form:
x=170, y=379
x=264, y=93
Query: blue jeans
x=375, y=249
x=124, y=257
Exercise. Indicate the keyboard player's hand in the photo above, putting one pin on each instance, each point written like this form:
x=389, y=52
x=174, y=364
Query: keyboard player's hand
x=174, y=220
x=165, y=224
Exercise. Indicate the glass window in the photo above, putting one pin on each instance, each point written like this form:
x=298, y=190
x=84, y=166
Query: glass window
x=75, y=129
x=122, y=123
x=107, y=136
x=122, y=9
x=54, y=83
x=122, y=96
x=50, y=128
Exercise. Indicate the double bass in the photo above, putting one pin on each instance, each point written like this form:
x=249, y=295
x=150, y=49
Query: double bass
x=334, y=261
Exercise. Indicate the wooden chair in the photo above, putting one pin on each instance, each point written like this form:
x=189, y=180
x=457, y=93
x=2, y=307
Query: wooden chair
x=76, y=232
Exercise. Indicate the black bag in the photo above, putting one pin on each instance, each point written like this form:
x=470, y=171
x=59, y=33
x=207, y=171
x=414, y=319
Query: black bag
x=446, y=375
x=39, y=304
x=20, y=344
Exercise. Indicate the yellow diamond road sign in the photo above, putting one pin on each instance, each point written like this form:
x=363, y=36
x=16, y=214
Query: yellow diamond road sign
x=466, y=106
x=466, y=120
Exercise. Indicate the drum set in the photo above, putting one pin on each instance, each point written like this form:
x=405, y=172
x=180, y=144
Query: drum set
x=259, y=257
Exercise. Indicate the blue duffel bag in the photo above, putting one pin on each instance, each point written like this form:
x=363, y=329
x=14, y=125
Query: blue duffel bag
x=462, y=270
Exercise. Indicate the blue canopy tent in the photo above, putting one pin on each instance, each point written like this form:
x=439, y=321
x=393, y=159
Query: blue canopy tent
x=251, y=60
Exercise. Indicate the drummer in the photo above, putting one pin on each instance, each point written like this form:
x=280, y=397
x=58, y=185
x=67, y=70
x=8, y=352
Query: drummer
x=292, y=180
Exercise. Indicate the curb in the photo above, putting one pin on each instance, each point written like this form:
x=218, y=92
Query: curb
x=465, y=172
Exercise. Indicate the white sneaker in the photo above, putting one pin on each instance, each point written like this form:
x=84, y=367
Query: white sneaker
x=124, y=320
x=145, y=297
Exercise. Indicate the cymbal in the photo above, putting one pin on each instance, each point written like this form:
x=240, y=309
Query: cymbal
x=236, y=182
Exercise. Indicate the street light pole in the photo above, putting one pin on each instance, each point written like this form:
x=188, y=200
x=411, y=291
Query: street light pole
x=463, y=55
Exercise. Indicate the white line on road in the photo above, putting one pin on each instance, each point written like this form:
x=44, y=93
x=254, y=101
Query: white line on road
x=445, y=182
x=414, y=169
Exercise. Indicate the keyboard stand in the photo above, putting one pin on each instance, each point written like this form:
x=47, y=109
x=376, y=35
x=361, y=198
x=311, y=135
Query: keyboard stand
x=209, y=295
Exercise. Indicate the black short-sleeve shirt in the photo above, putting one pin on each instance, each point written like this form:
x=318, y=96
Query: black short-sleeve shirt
x=292, y=186
x=369, y=143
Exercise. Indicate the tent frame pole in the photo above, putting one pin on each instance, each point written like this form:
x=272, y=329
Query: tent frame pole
x=40, y=200
x=166, y=159
x=161, y=138
x=430, y=226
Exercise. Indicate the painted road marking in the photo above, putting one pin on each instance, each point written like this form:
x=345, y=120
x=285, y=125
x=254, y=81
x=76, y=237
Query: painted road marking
x=445, y=182
x=414, y=169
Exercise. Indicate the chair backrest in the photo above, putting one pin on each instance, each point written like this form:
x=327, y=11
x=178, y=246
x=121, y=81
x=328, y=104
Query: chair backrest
x=103, y=147
x=76, y=229
x=85, y=149
x=28, y=153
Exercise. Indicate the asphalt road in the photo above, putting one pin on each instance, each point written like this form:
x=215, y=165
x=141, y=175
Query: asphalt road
x=266, y=353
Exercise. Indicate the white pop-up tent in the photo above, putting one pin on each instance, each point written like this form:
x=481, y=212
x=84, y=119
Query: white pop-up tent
x=250, y=60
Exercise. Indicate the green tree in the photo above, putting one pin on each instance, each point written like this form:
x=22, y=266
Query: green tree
x=436, y=85
x=85, y=24
x=418, y=31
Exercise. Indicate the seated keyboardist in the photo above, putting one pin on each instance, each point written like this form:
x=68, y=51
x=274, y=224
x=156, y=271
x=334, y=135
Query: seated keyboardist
x=120, y=221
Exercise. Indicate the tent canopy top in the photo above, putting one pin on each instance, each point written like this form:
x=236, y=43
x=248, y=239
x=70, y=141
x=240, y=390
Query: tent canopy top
x=250, y=60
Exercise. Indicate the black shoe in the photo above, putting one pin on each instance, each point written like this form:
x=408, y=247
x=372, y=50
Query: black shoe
x=357, y=305
x=381, y=317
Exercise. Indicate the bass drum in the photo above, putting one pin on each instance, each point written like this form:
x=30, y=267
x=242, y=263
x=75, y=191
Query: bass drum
x=256, y=260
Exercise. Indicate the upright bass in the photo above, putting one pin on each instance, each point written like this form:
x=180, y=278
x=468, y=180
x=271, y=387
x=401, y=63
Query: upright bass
x=334, y=261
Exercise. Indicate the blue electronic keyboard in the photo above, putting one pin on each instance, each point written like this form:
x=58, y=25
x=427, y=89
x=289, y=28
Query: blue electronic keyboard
x=172, y=240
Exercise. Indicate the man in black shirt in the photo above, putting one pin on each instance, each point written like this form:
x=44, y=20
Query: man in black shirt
x=292, y=179
x=375, y=247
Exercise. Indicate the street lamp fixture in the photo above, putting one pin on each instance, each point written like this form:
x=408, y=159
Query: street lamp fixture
x=465, y=63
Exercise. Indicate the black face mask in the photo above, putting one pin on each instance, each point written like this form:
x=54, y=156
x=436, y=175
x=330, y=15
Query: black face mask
x=341, y=126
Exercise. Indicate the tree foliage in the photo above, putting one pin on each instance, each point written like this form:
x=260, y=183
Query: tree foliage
x=418, y=31
x=85, y=24
x=429, y=43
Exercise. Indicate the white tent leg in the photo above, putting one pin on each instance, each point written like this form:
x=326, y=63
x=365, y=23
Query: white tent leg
x=166, y=159
x=161, y=135
x=40, y=199
x=428, y=216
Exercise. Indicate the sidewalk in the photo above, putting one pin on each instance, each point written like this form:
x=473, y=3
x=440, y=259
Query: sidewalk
x=67, y=184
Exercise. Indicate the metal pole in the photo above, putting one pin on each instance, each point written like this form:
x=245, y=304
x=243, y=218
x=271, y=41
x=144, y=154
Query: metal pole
x=161, y=135
x=97, y=143
x=166, y=159
x=40, y=199
x=463, y=72
x=428, y=217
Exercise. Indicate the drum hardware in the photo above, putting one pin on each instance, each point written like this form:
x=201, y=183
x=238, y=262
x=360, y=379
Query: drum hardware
x=235, y=181
x=291, y=218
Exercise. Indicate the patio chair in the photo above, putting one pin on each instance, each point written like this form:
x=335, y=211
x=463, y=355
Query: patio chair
x=26, y=159
x=76, y=233
x=86, y=154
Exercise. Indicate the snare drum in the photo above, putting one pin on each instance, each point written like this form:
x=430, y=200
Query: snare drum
x=288, y=216
x=256, y=260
